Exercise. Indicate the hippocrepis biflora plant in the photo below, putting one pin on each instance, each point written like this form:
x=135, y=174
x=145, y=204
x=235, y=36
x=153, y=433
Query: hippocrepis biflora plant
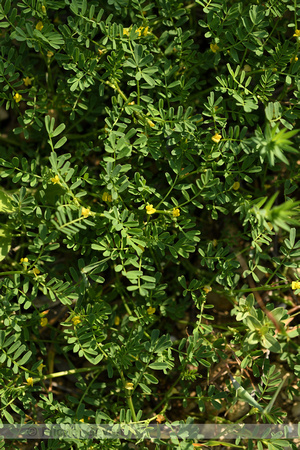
x=149, y=215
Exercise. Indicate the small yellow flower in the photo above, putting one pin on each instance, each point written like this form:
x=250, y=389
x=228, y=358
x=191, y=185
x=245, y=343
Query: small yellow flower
x=207, y=289
x=49, y=54
x=214, y=48
x=85, y=212
x=30, y=381
x=215, y=242
x=39, y=26
x=143, y=31
x=76, y=320
x=297, y=33
x=44, y=321
x=176, y=212
x=129, y=386
x=161, y=418
x=295, y=285
x=24, y=260
x=17, y=97
x=117, y=321
x=106, y=197
x=151, y=310
x=44, y=9
x=40, y=368
x=27, y=81
x=150, y=123
x=247, y=68
x=270, y=225
x=81, y=420
x=55, y=180
x=294, y=59
x=236, y=185
x=150, y=209
x=36, y=271
x=216, y=138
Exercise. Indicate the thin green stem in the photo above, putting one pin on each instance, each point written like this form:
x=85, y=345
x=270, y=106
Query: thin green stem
x=131, y=407
x=86, y=391
x=12, y=272
x=263, y=288
x=128, y=397
x=138, y=92
x=169, y=191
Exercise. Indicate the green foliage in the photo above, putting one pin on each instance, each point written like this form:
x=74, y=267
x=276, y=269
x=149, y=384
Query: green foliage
x=261, y=328
x=149, y=209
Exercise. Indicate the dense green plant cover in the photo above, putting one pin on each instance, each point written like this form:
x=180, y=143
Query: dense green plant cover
x=149, y=166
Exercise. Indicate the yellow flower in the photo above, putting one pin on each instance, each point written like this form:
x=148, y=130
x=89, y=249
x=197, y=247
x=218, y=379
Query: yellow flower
x=294, y=59
x=129, y=386
x=117, y=321
x=44, y=321
x=30, y=381
x=39, y=26
x=176, y=212
x=106, y=197
x=150, y=209
x=161, y=418
x=36, y=271
x=55, y=180
x=295, y=285
x=44, y=9
x=236, y=185
x=216, y=138
x=207, y=289
x=81, y=420
x=40, y=368
x=24, y=260
x=85, y=212
x=150, y=123
x=151, y=310
x=297, y=33
x=214, y=48
x=27, y=81
x=143, y=31
x=247, y=68
x=49, y=54
x=76, y=320
x=17, y=97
